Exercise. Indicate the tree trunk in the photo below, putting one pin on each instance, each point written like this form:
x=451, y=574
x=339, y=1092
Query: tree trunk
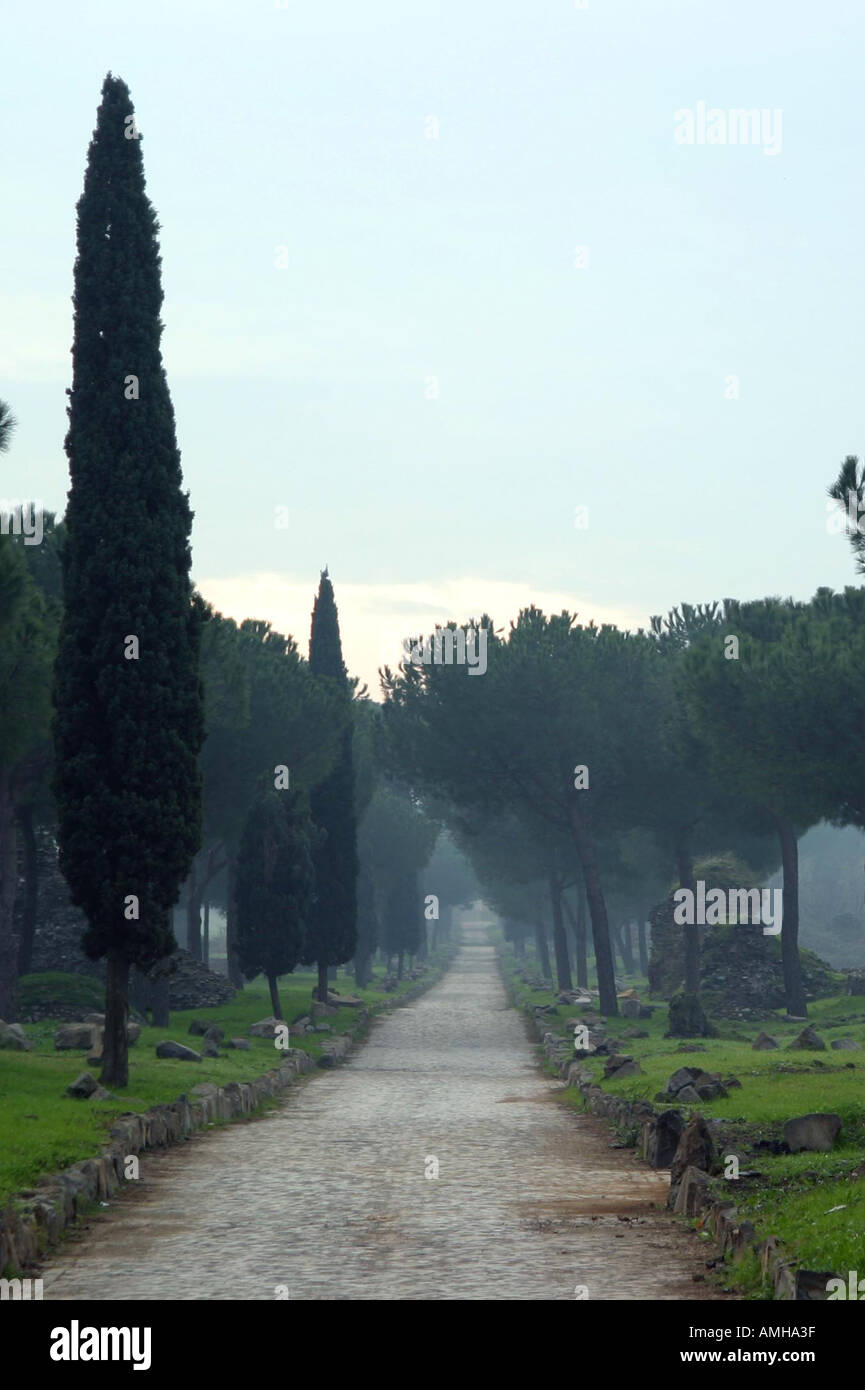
x=9, y=946
x=399, y=965
x=644, y=947
x=235, y=974
x=560, y=940
x=794, y=990
x=27, y=826
x=362, y=971
x=321, y=991
x=541, y=947
x=578, y=925
x=205, y=945
x=598, y=912
x=616, y=935
x=274, y=996
x=115, y=1045
x=160, y=999
x=520, y=946
x=692, y=933
x=627, y=947
x=193, y=914
x=137, y=992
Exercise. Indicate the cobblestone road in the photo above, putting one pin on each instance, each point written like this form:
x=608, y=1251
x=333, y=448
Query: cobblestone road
x=327, y=1197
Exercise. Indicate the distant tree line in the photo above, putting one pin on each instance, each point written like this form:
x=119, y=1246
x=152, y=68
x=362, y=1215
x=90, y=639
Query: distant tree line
x=588, y=769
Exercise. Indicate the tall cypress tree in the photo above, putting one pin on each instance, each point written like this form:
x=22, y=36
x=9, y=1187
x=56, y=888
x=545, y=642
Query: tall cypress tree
x=332, y=929
x=129, y=723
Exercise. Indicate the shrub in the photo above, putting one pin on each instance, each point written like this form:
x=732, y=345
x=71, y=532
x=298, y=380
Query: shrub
x=54, y=994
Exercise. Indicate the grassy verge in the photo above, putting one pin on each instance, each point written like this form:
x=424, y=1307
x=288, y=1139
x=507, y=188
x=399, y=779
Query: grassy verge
x=814, y=1202
x=42, y=1130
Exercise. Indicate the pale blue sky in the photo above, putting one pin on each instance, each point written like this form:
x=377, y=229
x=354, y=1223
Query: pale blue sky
x=304, y=127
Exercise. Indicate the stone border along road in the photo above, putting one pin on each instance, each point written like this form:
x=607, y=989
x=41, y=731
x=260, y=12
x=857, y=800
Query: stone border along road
x=327, y=1196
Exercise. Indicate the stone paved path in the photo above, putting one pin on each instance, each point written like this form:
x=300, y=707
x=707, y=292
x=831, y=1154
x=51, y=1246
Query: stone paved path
x=327, y=1197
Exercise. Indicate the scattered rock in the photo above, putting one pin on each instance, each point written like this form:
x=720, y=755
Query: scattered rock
x=214, y=1033
x=683, y=1077
x=845, y=1045
x=688, y=1096
x=693, y=1194
x=242, y=1044
x=856, y=982
x=691, y=1085
x=708, y=1087
x=265, y=1027
x=579, y=997
x=317, y=1010
x=807, y=1041
x=209, y=1048
x=696, y=1150
x=816, y=1132
x=83, y=1086
x=764, y=1042
x=662, y=1140
x=13, y=1038
x=616, y=1067
x=178, y=1051
x=71, y=1037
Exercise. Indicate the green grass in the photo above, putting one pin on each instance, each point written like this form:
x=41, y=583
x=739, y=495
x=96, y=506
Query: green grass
x=42, y=1130
x=794, y=1194
x=796, y=1204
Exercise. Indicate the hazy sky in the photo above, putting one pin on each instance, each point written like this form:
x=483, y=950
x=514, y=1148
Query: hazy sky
x=436, y=377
